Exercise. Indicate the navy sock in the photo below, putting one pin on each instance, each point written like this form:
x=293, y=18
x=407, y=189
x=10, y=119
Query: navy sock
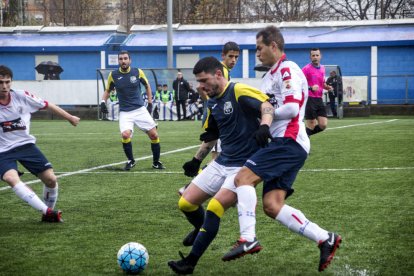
x=128, y=150
x=196, y=218
x=156, y=150
x=205, y=237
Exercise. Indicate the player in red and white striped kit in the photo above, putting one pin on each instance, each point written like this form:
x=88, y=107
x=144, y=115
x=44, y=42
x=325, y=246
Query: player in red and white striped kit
x=17, y=145
x=278, y=161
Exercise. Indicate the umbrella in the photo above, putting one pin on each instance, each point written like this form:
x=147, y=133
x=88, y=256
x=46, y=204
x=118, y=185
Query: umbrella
x=49, y=67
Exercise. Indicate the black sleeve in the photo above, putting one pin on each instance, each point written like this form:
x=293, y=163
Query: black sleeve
x=144, y=83
x=251, y=106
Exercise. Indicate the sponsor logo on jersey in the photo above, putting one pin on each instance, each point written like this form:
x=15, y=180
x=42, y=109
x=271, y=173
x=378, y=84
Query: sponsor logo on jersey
x=228, y=108
x=133, y=79
x=17, y=124
x=285, y=74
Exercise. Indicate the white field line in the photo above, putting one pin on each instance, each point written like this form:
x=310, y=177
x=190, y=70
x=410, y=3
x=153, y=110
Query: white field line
x=165, y=153
x=105, y=166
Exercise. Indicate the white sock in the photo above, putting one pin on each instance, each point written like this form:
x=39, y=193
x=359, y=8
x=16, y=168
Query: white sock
x=25, y=193
x=296, y=221
x=50, y=196
x=246, y=205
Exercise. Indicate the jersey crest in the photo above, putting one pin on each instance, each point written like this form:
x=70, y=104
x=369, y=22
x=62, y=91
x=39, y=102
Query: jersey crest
x=133, y=79
x=228, y=108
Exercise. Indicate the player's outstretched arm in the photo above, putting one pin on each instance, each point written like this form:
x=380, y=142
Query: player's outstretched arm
x=59, y=111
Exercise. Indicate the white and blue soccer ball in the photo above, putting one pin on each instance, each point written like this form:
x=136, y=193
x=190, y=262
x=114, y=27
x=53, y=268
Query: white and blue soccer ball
x=133, y=258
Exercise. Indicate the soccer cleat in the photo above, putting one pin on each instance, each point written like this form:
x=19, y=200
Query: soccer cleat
x=129, y=165
x=241, y=248
x=182, y=266
x=190, y=238
x=328, y=249
x=158, y=165
x=52, y=216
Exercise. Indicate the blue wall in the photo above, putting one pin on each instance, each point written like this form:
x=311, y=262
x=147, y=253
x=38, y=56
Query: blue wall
x=79, y=65
x=395, y=61
x=22, y=65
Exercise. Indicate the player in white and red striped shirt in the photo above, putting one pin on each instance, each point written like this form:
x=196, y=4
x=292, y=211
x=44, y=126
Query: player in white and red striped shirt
x=278, y=161
x=17, y=145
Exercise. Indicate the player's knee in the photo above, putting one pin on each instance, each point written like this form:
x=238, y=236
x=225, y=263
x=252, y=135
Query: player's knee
x=186, y=206
x=126, y=135
x=11, y=177
x=215, y=206
x=153, y=135
x=271, y=210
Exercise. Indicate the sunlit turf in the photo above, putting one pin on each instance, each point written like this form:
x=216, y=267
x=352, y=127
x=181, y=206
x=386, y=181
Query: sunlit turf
x=358, y=181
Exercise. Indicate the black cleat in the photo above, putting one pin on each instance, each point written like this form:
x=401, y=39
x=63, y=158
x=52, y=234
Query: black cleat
x=328, y=249
x=241, y=248
x=52, y=216
x=129, y=165
x=182, y=266
x=190, y=238
x=158, y=165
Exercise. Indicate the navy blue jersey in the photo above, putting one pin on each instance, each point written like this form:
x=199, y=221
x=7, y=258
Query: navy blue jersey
x=128, y=87
x=235, y=114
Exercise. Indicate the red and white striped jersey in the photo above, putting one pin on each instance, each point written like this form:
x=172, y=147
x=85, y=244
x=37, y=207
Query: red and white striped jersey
x=15, y=119
x=287, y=88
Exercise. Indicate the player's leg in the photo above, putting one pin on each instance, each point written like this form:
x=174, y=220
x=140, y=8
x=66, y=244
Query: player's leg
x=321, y=117
x=126, y=126
x=146, y=123
x=245, y=181
x=275, y=192
x=33, y=160
x=23, y=191
x=51, y=187
x=224, y=199
x=190, y=204
x=205, y=185
x=178, y=106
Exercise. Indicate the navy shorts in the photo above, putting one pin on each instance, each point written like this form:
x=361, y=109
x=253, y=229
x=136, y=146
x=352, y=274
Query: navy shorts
x=314, y=109
x=278, y=164
x=28, y=155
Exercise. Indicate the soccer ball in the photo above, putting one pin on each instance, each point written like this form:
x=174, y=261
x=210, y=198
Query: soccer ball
x=133, y=257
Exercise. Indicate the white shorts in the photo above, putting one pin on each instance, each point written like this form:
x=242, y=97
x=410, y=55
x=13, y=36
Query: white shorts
x=214, y=176
x=139, y=117
x=217, y=146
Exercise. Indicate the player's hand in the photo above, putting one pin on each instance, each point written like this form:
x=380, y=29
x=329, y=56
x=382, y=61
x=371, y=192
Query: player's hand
x=74, y=121
x=262, y=136
x=149, y=108
x=104, y=109
x=192, y=167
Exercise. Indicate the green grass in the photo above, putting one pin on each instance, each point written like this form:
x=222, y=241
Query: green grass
x=358, y=181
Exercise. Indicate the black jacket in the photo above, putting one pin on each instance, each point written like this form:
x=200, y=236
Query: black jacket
x=181, y=88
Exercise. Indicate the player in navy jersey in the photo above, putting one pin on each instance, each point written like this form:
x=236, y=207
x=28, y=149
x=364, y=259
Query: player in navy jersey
x=279, y=161
x=235, y=112
x=17, y=145
x=127, y=81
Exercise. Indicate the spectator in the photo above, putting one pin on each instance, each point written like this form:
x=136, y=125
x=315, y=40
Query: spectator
x=181, y=89
x=335, y=82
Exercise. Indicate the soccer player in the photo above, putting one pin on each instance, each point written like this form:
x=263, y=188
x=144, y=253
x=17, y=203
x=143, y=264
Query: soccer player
x=229, y=57
x=234, y=110
x=278, y=163
x=127, y=81
x=315, y=113
x=17, y=145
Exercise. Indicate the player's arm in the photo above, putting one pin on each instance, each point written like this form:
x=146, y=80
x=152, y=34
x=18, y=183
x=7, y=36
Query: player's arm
x=209, y=138
x=254, y=102
x=292, y=93
x=62, y=113
x=143, y=79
